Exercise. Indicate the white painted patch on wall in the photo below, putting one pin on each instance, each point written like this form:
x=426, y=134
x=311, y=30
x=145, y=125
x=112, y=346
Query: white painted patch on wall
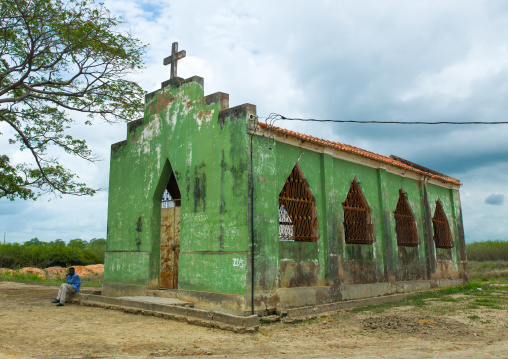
x=204, y=118
x=263, y=157
x=186, y=109
x=158, y=150
x=189, y=156
x=151, y=180
x=151, y=130
x=174, y=118
x=168, y=120
x=194, y=217
x=239, y=262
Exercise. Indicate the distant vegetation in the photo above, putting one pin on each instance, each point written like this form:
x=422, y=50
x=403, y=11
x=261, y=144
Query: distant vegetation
x=36, y=253
x=487, y=251
x=488, y=270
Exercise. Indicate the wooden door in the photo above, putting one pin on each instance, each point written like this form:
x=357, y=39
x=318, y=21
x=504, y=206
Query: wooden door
x=169, y=247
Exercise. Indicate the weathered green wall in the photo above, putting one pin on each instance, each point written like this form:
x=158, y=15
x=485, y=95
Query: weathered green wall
x=293, y=264
x=329, y=261
x=280, y=263
x=409, y=263
x=218, y=166
x=181, y=131
x=447, y=260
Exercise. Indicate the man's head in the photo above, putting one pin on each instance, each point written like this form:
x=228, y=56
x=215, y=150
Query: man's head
x=71, y=271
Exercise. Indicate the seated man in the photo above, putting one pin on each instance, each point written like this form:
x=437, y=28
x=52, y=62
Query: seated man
x=72, y=286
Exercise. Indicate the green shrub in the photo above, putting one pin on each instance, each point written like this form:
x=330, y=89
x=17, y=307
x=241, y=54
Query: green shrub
x=18, y=277
x=35, y=253
x=487, y=251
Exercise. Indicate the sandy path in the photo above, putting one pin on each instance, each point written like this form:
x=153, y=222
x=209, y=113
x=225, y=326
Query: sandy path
x=32, y=327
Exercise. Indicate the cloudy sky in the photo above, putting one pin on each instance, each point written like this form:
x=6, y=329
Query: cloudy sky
x=335, y=60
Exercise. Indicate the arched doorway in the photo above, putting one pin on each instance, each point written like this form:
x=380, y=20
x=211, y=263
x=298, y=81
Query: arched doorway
x=170, y=235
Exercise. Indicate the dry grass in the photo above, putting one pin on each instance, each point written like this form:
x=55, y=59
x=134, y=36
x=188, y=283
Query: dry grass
x=488, y=270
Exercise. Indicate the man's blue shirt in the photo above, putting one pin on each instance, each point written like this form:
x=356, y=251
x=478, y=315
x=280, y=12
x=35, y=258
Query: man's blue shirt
x=74, y=280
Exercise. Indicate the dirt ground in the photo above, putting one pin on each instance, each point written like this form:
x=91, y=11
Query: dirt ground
x=32, y=327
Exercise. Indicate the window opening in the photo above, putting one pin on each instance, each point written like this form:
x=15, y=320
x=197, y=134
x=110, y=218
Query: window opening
x=171, y=195
x=405, y=225
x=442, y=234
x=286, y=229
x=358, y=227
x=297, y=210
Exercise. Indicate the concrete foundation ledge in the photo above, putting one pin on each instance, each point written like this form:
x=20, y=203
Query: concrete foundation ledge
x=191, y=315
x=120, y=289
x=357, y=291
x=448, y=282
x=412, y=286
x=219, y=302
x=302, y=296
x=298, y=314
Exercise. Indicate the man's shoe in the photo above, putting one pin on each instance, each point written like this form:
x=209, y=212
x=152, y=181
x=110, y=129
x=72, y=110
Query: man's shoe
x=55, y=301
x=59, y=305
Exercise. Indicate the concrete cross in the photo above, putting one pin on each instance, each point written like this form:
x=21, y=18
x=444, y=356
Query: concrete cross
x=175, y=56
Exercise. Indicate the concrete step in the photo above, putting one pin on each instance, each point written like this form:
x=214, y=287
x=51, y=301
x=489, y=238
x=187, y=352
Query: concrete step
x=96, y=291
x=171, y=308
x=159, y=300
x=163, y=293
x=303, y=313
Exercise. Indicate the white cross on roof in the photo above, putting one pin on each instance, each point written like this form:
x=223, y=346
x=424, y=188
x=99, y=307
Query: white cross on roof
x=175, y=56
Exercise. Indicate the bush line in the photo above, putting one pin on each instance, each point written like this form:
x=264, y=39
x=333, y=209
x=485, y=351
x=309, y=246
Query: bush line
x=35, y=253
x=487, y=251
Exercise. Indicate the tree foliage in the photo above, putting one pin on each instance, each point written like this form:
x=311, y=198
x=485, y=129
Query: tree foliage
x=58, y=58
x=77, y=243
x=34, y=242
x=36, y=253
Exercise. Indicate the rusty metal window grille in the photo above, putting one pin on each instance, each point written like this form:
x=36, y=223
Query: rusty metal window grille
x=358, y=227
x=297, y=210
x=442, y=234
x=171, y=195
x=405, y=224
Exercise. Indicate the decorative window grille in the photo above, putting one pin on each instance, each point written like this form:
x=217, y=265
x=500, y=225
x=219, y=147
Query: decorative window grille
x=297, y=210
x=442, y=234
x=358, y=227
x=405, y=225
x=171, y=195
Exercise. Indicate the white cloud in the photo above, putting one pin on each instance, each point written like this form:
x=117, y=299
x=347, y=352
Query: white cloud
x=360, y=60
x=456, y=81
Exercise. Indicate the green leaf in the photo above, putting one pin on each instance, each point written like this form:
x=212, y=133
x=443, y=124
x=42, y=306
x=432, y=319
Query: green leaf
x=58, y=58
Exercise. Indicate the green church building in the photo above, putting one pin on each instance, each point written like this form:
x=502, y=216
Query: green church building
x=240, y=216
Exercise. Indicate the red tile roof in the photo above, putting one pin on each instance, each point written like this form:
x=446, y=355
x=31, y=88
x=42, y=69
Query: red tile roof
x=359, y=152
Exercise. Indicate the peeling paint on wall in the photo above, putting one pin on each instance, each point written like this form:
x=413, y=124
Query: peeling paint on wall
x=207, y=147
x=191, y=139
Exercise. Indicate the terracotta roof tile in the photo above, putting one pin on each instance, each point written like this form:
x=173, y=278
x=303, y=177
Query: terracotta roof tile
x=358, y=151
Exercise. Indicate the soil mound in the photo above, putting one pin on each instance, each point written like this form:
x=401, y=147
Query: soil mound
x=32, y=270
x=90, y=270
x=56, y=272
x=93, y=270
x=97, y=269
x=5, y=270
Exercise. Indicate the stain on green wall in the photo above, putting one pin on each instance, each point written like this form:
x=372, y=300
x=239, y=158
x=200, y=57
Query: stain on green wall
x=208, y=147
